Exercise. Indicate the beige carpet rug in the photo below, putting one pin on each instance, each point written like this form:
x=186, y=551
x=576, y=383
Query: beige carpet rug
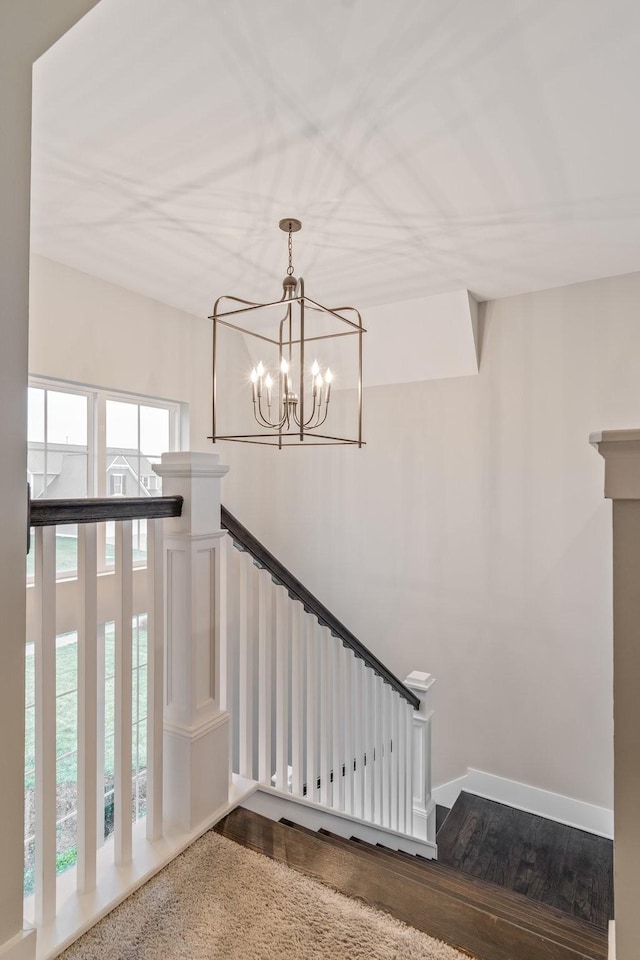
x=219, y=900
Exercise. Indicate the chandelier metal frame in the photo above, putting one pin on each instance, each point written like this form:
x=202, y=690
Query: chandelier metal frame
x=290, y=424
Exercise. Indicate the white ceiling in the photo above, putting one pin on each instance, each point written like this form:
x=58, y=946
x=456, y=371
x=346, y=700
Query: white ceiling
x=427, y=145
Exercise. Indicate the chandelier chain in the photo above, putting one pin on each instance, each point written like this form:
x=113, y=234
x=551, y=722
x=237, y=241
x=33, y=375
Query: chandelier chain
x=290, y=244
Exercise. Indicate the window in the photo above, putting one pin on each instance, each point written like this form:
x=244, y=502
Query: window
x=95, y=443
x=91, y=443
x=116, y=484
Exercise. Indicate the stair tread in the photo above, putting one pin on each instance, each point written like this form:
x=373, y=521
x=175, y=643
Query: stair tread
x=566, y=868
x=460, y=884
x=482, y=929
x=507, y=902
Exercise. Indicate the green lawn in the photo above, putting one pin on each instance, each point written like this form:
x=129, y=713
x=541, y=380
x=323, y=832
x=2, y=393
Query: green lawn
x=67, y=555
x=66, y=733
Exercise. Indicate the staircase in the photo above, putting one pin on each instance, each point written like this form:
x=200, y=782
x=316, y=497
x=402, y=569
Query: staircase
x=479, y=918
x=317, y=720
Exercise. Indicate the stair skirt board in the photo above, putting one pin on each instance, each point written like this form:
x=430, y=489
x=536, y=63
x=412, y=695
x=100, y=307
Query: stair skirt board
x=552, y=806
x=275, y=805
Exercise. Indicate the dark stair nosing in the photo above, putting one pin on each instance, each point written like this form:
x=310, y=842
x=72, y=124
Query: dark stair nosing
x=508, y=904
x=472, y=927
x=461, y=885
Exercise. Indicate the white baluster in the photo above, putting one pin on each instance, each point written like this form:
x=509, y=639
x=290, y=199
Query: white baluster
x=348, y=674
x=402, y=764
x=283, y=634
x=359, y=747
x=395, y=758
x=87, y=706
x=369, y=741
x=387, y=694
x=265, y=636
x=232, y=655
x=313, y=681
x=45, y=724
x=297, y=699
x=407, y=711
x=378, y=766
x=100, y=731
x=338, y=755
x=155, y=676
x=123, y=692
x=245, y=570
x=326, y=717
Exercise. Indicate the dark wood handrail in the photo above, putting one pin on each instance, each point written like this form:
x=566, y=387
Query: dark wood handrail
x=48, y=513
x=45, y=513
x=298, y=591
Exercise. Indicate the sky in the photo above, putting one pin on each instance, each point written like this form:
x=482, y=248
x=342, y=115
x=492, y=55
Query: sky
x=67, y=421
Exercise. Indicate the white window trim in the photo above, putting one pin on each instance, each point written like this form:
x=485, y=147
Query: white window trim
x=96, y=437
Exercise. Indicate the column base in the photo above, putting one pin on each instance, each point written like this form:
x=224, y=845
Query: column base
x=197, y=771
x=424, y=822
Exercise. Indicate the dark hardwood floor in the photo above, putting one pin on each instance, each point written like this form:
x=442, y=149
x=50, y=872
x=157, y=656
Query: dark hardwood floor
x=477, y=917
x=441, y=815
x=546, y=861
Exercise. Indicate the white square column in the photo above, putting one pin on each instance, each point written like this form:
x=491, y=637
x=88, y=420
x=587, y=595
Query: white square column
x=621, y=452
x=197, y=766
x=424, y=808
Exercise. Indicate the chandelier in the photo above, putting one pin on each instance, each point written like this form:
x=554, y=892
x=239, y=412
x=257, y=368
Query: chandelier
x=299, y=351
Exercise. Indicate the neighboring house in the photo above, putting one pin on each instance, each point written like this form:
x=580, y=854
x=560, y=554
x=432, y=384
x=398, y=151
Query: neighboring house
x=60, y=472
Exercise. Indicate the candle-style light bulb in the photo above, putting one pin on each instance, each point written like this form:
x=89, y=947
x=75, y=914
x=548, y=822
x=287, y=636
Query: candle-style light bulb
x=284, y=366
x=260, y=369
x=319, y=381
x=268, y=383
x=254, y=379
x=328, y=379
x=315, y=369
x=254, y=375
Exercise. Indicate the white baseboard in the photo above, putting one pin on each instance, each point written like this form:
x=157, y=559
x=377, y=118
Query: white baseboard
x=20, y=947
x=612, y=940
x=275, y=804
x=553, y=806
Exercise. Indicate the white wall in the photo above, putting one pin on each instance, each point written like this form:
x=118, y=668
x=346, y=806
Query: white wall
x=27, y=28
x=470, y=537
x=91, y=332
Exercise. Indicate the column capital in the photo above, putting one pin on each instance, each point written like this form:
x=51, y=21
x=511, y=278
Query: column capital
x=196, y=478
x=189, y=464
x=620, y=450
x=421, y=684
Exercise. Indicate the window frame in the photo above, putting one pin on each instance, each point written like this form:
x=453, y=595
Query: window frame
x=97, y=398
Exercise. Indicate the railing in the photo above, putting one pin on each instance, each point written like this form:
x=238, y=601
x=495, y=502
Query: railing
x=315, y=714
x=97, y=599
x=297, y=591
x=316, y=717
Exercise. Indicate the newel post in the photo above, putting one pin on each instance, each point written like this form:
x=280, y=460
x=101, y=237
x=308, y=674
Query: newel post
x=621, y=452
x=197, y=768
x=424, y=808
